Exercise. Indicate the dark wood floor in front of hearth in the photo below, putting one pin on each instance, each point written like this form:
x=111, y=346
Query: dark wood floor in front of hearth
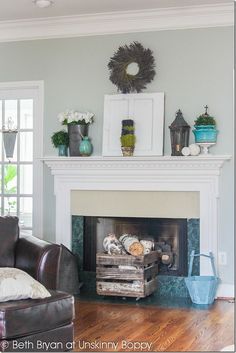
x=167, y=329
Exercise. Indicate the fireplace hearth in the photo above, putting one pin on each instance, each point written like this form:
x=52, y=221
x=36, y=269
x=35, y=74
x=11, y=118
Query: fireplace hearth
x=169, y=236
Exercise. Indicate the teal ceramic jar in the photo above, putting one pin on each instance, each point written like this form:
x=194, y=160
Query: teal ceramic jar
x=62, y=151
x=85, y=148
x=205, y=133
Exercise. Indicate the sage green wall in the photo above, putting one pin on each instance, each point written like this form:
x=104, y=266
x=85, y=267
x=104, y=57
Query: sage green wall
x=194, y=68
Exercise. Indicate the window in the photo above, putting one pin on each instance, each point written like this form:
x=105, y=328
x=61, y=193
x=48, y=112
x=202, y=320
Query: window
x=21, y=177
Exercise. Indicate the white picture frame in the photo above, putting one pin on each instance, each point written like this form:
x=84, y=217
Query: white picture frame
x=147, y=111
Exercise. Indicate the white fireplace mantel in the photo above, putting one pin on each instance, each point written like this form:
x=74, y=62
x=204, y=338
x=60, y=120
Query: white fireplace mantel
x=200, y=174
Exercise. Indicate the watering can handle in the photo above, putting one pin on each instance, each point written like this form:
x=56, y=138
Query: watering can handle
x=210, y=256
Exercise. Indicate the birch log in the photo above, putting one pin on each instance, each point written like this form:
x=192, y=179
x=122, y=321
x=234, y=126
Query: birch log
x=112, y=245
x=148, y=245
x=131, y=244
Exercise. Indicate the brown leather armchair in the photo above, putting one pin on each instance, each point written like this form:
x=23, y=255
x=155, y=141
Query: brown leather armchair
x=32, y=325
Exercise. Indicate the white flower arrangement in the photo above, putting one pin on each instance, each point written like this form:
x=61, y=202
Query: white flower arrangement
x=74, y=117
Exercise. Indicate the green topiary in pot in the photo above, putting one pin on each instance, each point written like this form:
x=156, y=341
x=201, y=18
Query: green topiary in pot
x=204, y=120
x=60, y=140
x=205, y=128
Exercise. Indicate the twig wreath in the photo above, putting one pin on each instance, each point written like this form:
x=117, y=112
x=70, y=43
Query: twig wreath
x=132, y=68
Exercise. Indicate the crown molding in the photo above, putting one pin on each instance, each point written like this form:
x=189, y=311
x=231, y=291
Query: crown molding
x=219, y=15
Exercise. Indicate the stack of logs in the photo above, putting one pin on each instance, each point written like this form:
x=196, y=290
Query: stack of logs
x=127, y=244
x=130, y=244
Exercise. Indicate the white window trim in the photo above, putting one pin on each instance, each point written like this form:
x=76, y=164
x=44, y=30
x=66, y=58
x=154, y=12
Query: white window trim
x=38, y=88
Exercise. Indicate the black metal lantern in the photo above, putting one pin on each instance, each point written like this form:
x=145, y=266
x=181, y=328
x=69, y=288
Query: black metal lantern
x=179, y=134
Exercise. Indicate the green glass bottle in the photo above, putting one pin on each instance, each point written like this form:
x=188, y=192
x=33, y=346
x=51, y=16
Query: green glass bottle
x=62, y=151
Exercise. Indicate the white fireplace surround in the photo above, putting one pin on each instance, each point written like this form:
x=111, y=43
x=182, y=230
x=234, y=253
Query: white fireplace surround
x=200, y=174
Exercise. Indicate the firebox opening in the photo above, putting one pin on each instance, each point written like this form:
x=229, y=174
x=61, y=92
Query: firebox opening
x=169, y=235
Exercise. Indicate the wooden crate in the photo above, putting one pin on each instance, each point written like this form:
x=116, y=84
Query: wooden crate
x=139, y=282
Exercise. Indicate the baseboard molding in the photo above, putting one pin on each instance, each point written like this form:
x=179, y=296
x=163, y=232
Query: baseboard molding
x=225, y=291
x=200, y=16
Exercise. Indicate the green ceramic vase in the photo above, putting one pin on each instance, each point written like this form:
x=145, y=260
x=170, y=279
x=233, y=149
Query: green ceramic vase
x=85, y=148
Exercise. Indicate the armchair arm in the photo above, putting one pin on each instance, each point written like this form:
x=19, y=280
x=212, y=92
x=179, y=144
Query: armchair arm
x=39, y=259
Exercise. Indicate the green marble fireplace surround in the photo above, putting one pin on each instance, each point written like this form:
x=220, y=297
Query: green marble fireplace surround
x=168, y=286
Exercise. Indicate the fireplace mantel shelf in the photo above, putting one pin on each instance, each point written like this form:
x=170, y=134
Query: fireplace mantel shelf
x=201, y=163
x=182, y=174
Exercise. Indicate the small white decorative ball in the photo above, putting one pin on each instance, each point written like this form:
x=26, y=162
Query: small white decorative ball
x=185, y=151
x=194, y=149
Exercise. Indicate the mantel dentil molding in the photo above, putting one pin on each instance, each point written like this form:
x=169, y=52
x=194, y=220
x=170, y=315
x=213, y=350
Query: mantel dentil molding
x=200, y=164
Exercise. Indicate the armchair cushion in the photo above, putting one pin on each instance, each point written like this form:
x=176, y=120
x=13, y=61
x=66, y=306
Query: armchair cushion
x=16, y=284
x=9, y=233
x=32, y=316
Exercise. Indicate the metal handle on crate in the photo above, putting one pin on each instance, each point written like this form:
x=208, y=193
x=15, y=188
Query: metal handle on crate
x=210, y=256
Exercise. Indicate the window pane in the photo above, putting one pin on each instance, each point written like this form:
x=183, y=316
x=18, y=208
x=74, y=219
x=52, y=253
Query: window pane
x=26, y=212
x=10, y=206
x=25, y=232
x=26, y=146
x=26, y=179
x=11, y=112
x=26, y=114
x=14, y=159
x=10, y=179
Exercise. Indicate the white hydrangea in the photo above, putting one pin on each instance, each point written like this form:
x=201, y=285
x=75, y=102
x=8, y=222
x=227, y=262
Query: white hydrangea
x=61, y=117
x=80, y=116
x=88, y=117
x=73, y=116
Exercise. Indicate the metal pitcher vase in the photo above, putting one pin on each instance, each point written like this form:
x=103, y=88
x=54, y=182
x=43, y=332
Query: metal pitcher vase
x=76, y=132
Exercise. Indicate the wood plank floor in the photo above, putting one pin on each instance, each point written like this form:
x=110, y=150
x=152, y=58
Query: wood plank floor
x=119, y=327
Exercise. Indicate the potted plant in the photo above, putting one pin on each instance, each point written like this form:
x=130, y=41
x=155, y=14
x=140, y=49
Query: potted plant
x=127, y=138
x=205, y=128
x=78, y=125
x=60, y=140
